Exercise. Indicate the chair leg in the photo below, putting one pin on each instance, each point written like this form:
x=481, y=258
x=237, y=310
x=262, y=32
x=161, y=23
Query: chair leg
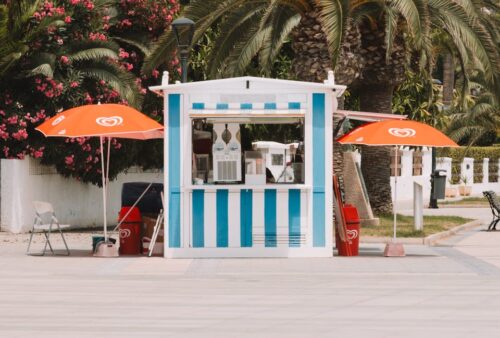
x=31, y=238
x=48, y=242
x=64, y=240
x=47, y=236
x=494, y=223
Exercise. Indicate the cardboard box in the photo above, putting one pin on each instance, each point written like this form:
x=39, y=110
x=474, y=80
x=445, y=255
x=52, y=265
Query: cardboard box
x=158, y=248
x=149, y=226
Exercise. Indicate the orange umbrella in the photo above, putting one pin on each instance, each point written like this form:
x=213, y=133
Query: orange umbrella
x=106, y=121
x=397, y=133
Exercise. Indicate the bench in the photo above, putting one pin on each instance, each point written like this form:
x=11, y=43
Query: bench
x=495, y=208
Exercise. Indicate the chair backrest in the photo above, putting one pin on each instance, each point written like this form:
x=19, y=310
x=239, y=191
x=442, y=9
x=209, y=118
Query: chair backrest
x=42, y=208
x=492, y=199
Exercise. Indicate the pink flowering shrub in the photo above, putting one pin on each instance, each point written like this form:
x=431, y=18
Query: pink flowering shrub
x=27, y=101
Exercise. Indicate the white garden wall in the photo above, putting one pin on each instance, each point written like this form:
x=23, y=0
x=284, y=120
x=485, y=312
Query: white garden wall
x=75, y=203
x=406, y=180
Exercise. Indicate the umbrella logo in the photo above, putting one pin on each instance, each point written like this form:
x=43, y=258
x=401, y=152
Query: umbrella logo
x=351, y=234
x=125, y=233
x=111, y=121
x=402, y=132
x=58, y=120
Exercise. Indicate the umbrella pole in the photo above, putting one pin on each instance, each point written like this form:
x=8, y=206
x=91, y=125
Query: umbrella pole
x=107, y=166
x=393, y=249
x=395, y=190
x=103, y=189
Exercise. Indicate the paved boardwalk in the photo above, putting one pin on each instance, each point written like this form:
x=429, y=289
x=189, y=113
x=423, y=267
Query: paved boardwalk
x=451, y=290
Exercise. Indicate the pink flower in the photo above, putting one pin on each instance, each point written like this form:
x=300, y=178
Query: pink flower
x=155, y=73
x=75, y=2
x=12, y=120
x=69, y=160
x=37, y=153
x=73, y=84
x=67, y=19
x=64, y=59
x=20, y=135
x=123, y=54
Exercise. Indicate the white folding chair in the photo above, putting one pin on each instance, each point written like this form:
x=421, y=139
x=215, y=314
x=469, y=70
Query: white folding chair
x=45, y=222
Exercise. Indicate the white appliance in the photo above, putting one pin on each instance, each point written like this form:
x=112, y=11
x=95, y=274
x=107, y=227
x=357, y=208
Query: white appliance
x=226, y=152
x=255, y=169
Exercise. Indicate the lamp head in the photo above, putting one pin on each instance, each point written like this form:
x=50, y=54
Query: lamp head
x=184, y=31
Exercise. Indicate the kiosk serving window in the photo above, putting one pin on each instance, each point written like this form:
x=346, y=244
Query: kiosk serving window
x=251, y=151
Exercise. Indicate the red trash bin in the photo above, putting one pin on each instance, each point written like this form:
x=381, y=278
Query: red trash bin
x=351, y=247
x=130, y=231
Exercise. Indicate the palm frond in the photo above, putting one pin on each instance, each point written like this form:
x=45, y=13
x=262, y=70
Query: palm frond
x=120, y=80
x=332, y=19
x=234, y=26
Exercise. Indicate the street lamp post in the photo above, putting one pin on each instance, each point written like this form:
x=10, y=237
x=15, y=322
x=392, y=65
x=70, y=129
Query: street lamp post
x=184, y=31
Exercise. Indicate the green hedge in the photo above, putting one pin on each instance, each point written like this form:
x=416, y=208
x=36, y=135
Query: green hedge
x=477, y=153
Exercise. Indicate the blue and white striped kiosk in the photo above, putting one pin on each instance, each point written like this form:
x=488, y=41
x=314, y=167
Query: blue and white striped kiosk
x=219, y=213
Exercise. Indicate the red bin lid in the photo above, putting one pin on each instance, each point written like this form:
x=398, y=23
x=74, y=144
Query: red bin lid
x=133, y=216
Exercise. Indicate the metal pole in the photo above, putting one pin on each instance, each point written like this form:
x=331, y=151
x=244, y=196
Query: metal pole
x=184, y=53
x=433, y=202
x=394, y=209
x=103, y=190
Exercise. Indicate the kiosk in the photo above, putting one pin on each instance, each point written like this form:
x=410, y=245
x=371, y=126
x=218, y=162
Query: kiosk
x=219, y=200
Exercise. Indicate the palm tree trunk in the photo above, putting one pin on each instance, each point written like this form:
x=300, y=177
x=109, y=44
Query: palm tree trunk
x=312, y=60
x=375, y=161
x=448, y=80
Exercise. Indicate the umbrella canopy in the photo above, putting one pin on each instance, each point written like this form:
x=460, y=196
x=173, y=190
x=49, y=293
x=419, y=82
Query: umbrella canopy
x=109, y=120
x=397, y=132
x=105, y=121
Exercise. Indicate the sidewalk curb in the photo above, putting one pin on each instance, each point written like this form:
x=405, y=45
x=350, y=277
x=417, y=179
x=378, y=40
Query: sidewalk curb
x=429, y=240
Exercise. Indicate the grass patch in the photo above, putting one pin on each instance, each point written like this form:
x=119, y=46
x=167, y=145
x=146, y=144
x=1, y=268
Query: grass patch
x=405, y=226
x=468, y=201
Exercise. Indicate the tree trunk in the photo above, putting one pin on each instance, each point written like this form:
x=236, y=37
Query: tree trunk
x=448, y=80
x=375, y=161
x=311, y=61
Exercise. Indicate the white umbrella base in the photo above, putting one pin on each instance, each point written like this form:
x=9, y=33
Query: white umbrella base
x=106, y=250
x=394, y=250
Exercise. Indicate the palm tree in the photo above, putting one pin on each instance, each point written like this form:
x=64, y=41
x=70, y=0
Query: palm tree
x=478, y=116
x=17, y=30
x=371, y=42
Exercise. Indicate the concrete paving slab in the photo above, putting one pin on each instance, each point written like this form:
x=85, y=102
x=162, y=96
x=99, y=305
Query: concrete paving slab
x=443, y=291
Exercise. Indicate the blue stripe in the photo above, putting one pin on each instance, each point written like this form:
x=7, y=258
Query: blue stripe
x=198, y=105
x=246, y=209
x=270, y=217
x=222, y=106
x=270, y=105
x=319, y=219
x=246, y=106
x=174, y=173
x=318, y=145
x=319, y=141
x=294, y=218
x=293, y=105
x=198, y=218
x=222, y=218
